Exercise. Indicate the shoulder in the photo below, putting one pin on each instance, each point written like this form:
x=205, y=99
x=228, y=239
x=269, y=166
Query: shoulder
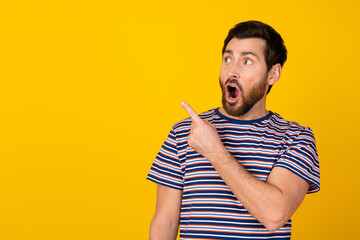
x=292, y=128
x=276, y=119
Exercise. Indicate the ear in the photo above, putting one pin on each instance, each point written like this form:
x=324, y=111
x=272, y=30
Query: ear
x=274, y=74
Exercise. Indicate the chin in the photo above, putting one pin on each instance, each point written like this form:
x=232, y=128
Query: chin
x=237, y=110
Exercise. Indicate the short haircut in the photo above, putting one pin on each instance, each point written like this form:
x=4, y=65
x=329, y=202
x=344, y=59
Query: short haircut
x=275, y=50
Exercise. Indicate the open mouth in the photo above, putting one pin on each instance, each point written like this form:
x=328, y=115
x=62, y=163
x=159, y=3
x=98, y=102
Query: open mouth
x=232, y=92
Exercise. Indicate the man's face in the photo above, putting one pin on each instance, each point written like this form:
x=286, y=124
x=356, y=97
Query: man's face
x=243, y=75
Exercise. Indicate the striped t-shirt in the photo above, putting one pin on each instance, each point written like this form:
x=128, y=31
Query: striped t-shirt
x=209, y=209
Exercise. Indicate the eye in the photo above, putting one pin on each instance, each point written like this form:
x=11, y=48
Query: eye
x=248, y=62
x=227, y=59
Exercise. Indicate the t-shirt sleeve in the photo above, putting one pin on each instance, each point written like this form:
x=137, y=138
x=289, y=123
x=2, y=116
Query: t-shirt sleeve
x=301, y=158
x=166, y=169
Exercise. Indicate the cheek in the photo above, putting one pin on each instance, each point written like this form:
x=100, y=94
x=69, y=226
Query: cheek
x=252, y=76
x=224, y=70
x=222, y=75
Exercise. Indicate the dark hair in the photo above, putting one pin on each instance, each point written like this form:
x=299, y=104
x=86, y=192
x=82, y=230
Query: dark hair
x=275, y=50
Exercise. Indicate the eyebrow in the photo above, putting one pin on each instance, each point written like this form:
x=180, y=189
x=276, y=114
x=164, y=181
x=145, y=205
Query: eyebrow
x=242, y=53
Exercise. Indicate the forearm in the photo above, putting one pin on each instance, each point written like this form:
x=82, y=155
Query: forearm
x=263, y=200
x=163, y=230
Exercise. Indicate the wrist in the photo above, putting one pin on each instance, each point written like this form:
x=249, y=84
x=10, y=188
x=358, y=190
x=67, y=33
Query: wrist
x=219, y=155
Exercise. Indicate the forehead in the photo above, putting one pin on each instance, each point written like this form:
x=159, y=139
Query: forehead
x=254, y=45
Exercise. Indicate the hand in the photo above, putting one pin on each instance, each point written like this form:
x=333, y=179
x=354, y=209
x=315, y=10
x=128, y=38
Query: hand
x=203, y=136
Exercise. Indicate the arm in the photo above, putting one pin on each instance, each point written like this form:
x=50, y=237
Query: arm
x=165, y=223
x=273, y=202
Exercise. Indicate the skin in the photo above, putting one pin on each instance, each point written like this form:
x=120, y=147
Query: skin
x=272, y=202
x=244, y=64
x=165, y=223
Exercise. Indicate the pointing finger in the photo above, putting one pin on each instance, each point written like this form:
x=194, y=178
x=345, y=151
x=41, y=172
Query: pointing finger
x=190, y=111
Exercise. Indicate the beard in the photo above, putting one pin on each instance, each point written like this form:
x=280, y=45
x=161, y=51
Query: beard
x=256, y=93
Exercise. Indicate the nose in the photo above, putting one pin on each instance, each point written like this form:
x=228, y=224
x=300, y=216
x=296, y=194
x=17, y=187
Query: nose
x=233, y=71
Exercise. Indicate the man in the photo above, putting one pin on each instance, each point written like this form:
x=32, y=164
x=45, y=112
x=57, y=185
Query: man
x=239, y=171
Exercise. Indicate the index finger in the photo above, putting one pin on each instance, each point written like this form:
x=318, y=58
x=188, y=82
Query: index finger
x=190, y=111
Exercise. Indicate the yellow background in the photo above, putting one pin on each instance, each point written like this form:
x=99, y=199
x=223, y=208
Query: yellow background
x=90, y=89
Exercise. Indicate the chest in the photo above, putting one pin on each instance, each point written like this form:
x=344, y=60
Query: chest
x=256, y=149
